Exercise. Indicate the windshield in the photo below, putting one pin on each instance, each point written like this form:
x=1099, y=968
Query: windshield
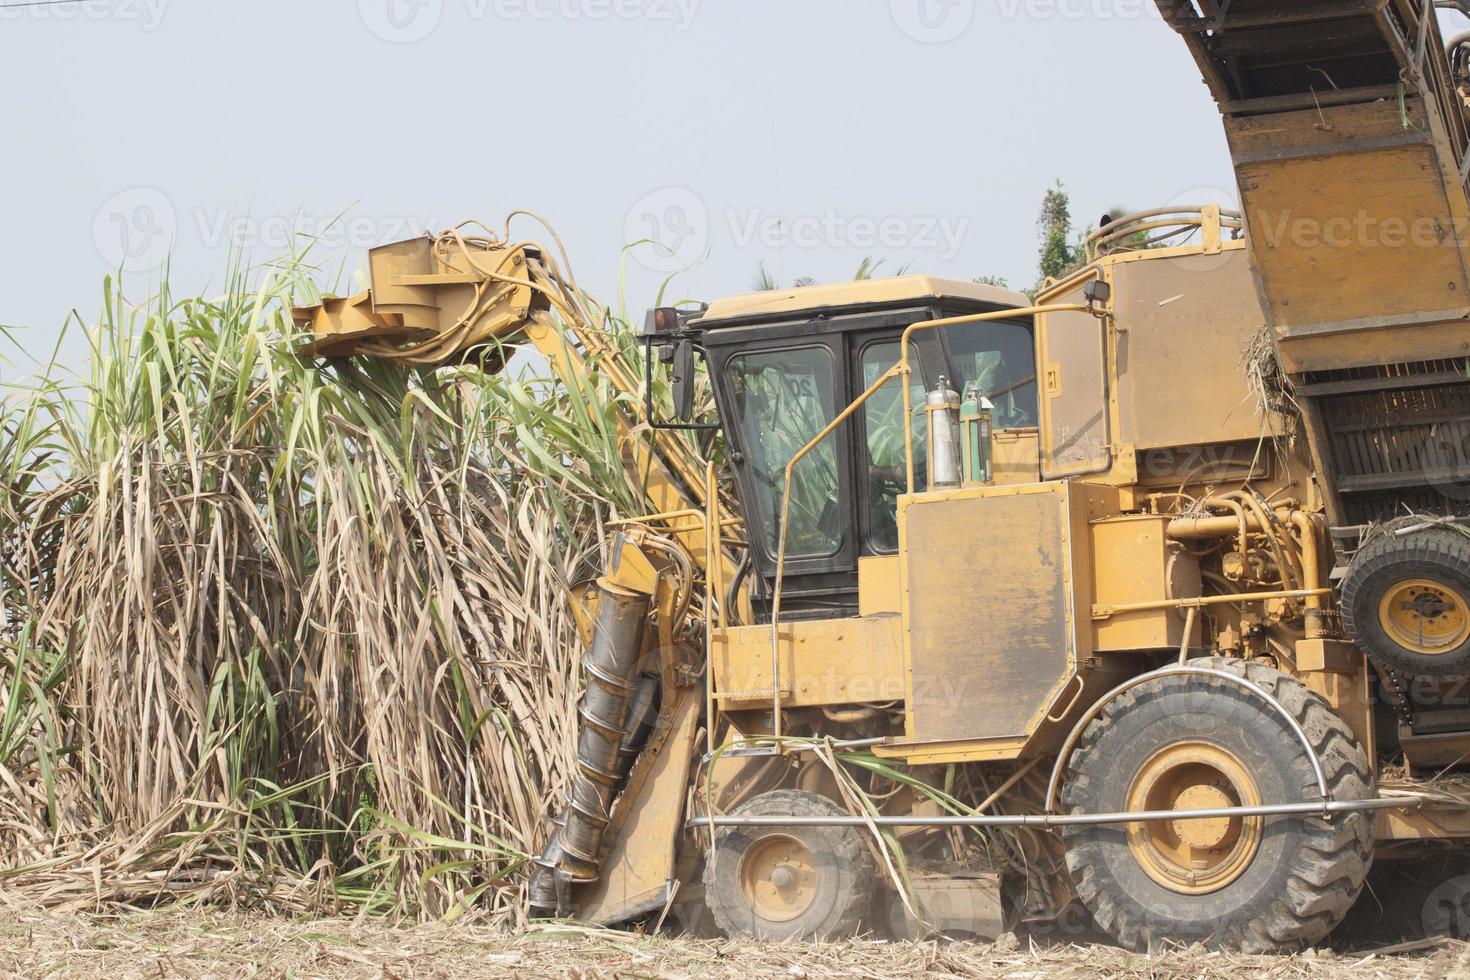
x=782, y=399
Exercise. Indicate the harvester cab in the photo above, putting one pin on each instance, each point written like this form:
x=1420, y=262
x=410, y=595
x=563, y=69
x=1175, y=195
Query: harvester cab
x=784, y=364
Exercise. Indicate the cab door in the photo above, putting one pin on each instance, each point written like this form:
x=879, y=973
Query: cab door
x=780, y=393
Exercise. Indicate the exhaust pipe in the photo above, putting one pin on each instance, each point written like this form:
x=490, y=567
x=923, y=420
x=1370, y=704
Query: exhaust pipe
x=571, y=855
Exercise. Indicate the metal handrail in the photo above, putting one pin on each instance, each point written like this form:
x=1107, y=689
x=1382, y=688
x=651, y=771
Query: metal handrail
x=755, y=747
x=711, y=577
x=1071, y=819
x=1208, y=220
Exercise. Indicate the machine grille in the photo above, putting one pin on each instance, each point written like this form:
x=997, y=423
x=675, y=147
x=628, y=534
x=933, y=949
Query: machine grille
x=1399, y=436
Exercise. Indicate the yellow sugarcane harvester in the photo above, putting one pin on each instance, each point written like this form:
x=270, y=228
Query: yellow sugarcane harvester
x=1150, y=594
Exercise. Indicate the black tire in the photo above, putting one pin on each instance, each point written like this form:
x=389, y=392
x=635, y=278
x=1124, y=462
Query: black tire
x=1304, y=873
x=844, y=882
x=1439, y=555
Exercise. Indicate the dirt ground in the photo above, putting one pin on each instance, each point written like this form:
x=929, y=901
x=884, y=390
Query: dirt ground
x=207, y=944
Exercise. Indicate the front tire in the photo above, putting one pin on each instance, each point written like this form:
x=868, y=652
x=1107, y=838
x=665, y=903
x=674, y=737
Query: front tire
x=1256, y=884
x=789, y=883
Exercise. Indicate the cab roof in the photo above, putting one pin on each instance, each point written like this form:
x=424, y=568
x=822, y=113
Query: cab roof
x=896, y=291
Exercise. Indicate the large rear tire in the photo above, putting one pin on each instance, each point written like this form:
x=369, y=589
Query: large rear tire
x=799, y=883
x=1191, y=742
x=1406, y=601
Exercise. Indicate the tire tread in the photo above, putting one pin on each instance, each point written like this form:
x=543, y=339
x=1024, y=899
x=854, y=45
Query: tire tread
x=1323, y=886
x=854, y=860
x=1441, y=547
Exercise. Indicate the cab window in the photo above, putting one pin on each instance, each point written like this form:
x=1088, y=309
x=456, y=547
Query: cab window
x=884, y=415
x=782, y=398
x=1000, y=358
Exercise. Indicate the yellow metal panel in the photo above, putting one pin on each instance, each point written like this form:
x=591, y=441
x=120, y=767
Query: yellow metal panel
x=1332, y=656
x=943, y=753
x=639, y=865
x=1338, y=672
x=1134, y=561
x=1429, y=823
x=583, y=599
x=1015, y=456
x=1322, y=261
x=629, y=567
x=878, y=585
x=1380, y=345
x=1351, y=223
x=1075, y=436
x=992, y=633
x=1330, y=129
x=1182, y=324
x=822, y=662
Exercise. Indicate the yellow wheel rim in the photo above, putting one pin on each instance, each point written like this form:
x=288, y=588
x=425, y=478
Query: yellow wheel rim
x=1425, y=617
x=1194, y=856
x=779, y=878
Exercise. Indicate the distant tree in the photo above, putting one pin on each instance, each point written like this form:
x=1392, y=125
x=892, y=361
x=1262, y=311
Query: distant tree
x=764, y=281
x=868, y=269
x=1054, y=227
x=993, y=281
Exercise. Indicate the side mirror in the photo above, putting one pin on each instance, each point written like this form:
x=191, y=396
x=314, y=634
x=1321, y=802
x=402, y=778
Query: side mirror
x=683, y=375
x=668, y=329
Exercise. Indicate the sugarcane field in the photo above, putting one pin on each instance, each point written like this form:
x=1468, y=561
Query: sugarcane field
x=697, y=488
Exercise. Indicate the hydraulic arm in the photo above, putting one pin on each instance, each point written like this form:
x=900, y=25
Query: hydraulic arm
x=456, y=298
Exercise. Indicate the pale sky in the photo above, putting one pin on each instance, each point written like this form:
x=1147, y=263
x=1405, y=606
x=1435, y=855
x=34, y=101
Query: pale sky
x=803, y=134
